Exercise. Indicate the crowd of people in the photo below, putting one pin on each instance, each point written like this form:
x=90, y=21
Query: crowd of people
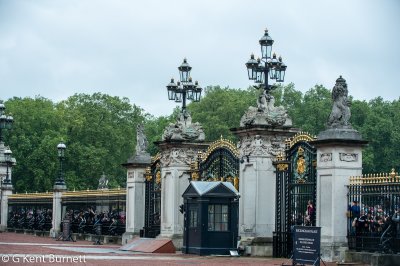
x=96, y=222
x=30, y=218
x=81, y=221
x=372, y=220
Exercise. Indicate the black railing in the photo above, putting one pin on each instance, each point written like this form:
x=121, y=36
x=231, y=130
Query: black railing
x=29, y=218
x=295, y=192
x=373, y=213
x=282, y=244
x=85, y=209
x=84, y=221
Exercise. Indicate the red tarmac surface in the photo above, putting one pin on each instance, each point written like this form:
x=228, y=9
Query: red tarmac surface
x=20, y=249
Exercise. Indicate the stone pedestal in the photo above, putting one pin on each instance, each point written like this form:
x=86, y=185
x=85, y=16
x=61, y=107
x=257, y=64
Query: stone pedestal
x=57, y=209
x=135, y=195
x=176, y=157
x=6, y=190
x=339, y=156
x=259, y=145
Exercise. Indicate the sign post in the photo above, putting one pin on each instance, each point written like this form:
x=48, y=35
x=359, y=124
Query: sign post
x=306, y=245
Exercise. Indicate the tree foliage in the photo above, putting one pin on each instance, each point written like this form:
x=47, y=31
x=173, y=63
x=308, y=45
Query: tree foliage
x=100, y=131
x=221, y=109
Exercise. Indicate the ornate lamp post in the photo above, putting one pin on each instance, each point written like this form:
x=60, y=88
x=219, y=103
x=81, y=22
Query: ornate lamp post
x=5, y=121
x=8, y=160
x=261, y=70
x=184, y=89
x=61, y=150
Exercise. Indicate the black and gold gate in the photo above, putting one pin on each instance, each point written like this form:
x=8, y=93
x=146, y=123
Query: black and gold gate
x=153, y=199
x=295, y=191
x=219, y=163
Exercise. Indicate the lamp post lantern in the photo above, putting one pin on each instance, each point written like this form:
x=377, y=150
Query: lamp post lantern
x=6, y=121
x=61, y=152
x=266, y=67
x=8, y=160
x=184, y=89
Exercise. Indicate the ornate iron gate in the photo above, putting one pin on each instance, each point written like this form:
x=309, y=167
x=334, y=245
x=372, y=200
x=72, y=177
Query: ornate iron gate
x=153, y=199
x=219, y=163
x=295, y=191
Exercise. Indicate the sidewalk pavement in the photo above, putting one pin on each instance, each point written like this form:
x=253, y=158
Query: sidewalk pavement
x=20, y=249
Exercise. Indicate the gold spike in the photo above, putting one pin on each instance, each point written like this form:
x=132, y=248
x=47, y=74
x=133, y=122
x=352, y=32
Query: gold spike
x=392, y=173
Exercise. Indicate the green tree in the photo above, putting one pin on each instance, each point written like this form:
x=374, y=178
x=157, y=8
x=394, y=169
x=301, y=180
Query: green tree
x=33, y=140
x=313, y=112
x=100, y=132
x=221, y=109
x=154, y=128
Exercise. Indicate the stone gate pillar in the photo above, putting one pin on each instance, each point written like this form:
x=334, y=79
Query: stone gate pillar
x=6, y=191
x=176, y=158
x=339, y=156
x=135, y=195
x=258, y=147
x=179, y=147
x=57, y=209
x=6, y=188
x=135, y=186
x=262, y=134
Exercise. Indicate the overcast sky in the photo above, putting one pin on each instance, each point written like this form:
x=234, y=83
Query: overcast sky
x=132, y=48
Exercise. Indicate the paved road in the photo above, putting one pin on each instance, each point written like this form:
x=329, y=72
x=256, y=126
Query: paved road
x=20, y=249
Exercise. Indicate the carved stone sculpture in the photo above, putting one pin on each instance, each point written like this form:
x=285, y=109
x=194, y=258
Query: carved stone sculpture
x=141, y=140
x=338, y=125
x=178, y=156
x=266, y=113
x=141, y=155
x=103, y=182
x=258, y=145
x=184, y=129
x=340, y=114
